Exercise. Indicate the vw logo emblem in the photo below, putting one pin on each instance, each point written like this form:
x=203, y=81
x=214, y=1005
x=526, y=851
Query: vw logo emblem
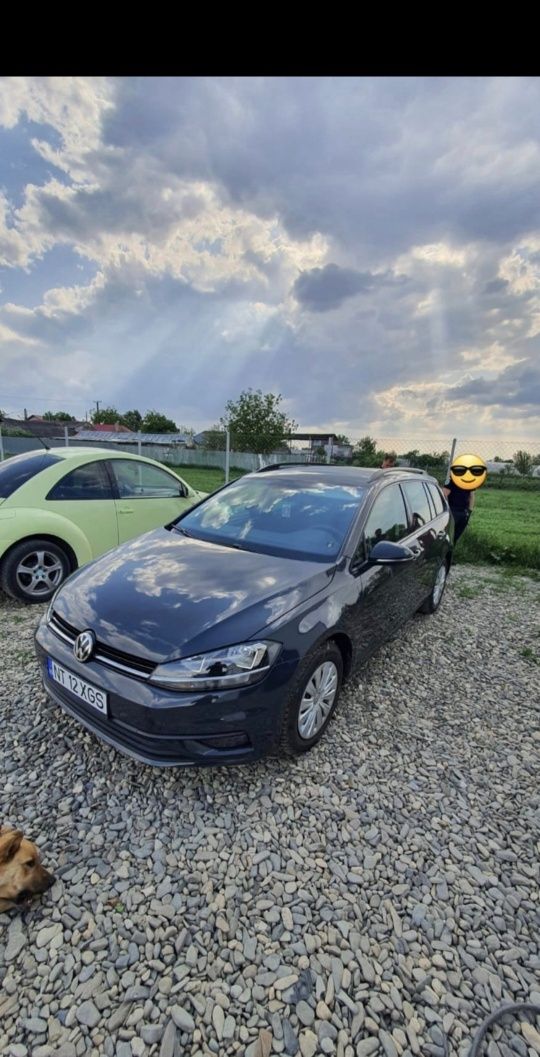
x=84, y=645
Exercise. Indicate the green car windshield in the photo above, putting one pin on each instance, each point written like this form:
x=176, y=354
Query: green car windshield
x=19, y=469
x=302, y=519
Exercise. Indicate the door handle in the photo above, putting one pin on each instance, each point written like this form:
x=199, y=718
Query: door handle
x=126, y=510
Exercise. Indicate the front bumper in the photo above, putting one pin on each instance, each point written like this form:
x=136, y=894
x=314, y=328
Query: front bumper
x=168, y=728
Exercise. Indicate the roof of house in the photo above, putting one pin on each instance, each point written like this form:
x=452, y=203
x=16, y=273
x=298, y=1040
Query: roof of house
x=42, y=427
x=128, y=437
x=111, y=427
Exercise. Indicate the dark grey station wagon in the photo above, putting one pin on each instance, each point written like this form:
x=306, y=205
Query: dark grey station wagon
x=229, y=632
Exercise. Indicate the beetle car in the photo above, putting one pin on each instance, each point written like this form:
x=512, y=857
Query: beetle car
x=61, y=507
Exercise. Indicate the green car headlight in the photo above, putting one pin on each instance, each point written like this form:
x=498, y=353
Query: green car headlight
x=220, y=669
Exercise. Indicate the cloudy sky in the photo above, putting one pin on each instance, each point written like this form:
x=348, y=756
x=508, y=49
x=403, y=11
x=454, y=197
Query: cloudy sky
x=369, y=248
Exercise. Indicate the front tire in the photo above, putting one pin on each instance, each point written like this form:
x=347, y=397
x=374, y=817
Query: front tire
x=312, y=699
x=33, y=570
x=432, y=603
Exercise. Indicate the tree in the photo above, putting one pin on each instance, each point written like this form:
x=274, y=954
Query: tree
x=341, y=438
x=214, y=439
x=366, y=453
x=523, y=462
x=132, y=419
x=256, y=422
x=58, y=416
x=423, y=461
x=107, y=416
x=155, y=422
x=188, y=430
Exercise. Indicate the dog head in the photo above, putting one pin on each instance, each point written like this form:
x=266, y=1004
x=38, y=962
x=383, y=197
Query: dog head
x=21, y=872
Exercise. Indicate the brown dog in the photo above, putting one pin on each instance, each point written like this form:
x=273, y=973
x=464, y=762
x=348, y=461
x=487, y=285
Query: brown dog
x=21, y=872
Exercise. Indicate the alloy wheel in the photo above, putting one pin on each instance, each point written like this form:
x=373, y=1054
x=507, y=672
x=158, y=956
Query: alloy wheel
x=39, y=572
x=317, y=700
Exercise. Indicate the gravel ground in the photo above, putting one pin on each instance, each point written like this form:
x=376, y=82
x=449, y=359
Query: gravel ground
x=362, y=901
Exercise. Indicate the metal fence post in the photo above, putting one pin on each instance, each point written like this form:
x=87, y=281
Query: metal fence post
x=139, y=443
x=227, y=455
x=66, y=437
x=451, y=459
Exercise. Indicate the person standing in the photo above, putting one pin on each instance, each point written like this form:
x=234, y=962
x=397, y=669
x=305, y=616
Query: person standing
x=461, y=504
x=389, y=461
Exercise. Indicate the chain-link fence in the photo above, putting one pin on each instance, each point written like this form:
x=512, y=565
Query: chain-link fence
x=490, y=449
x=500, y=454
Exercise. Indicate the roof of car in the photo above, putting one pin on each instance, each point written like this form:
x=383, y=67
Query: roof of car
x=348, y=475
x=68, y=451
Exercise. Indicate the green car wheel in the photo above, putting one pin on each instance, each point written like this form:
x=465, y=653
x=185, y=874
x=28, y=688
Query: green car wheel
x=33, y=570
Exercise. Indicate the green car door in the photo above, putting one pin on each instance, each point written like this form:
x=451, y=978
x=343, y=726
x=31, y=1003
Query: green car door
x=147, y=496
x=85, y=497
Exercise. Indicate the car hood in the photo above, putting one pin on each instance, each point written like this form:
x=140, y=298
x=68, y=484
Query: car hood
x=164, y=596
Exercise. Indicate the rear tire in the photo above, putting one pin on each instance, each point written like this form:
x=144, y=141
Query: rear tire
x=432, y=603
x=33, y=570
x=312, y=699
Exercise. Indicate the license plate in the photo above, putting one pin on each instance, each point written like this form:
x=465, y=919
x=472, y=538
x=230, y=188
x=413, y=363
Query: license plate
x=84, y=691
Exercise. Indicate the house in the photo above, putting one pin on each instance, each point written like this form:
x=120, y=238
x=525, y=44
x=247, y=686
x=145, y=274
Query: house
x=126, y=436
x=45, y=428
x=328, y=441
x=109, y=427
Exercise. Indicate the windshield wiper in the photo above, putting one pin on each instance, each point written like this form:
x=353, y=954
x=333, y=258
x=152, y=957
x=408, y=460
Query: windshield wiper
x=183, y=531
x=232, y=543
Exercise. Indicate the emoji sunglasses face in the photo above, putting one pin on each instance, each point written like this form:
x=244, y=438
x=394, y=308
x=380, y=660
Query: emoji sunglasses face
x=468, y=472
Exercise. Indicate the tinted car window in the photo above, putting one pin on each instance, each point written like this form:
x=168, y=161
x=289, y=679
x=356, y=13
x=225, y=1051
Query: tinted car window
x=436, y=497
x=86, y=482
x=304, y=519
x=19, y=469
x=418, y=502
x=388, y=518
x=140, y=480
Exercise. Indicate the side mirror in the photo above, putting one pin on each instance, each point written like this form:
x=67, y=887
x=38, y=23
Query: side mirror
x=386, y=553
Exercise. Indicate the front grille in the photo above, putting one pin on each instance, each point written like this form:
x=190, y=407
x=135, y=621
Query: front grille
x=107, y=655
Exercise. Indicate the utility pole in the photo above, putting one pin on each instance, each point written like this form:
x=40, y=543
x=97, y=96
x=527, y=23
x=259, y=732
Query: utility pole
x=97, y=403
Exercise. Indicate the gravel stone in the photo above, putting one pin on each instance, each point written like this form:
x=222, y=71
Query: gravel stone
x=308, y=1044
x=182, y=1019
x=88, y=1015
x=290, y=1038
x=305, y=1013
x=367, y=899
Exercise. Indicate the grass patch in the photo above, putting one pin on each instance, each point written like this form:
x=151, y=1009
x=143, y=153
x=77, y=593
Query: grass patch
x=529, y=655
x=469, y=590
x=503, y=531
x=205, y=478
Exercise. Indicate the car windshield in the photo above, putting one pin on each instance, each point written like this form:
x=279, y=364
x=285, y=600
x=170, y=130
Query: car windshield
x=20, y=468
x=303, y=519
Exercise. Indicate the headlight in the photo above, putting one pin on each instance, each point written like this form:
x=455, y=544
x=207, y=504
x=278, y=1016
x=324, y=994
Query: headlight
x=219, y=670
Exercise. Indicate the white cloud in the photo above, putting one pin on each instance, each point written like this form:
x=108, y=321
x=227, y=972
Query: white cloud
x=73, y=106
x=9, y=336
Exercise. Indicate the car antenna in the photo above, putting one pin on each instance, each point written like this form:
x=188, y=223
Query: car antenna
x=41, y=441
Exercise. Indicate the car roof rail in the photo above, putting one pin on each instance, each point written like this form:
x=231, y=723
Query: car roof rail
x=285, y=465
x=406, y=469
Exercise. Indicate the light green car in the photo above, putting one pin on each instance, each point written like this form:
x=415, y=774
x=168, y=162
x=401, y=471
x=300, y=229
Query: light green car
x=61, y=507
